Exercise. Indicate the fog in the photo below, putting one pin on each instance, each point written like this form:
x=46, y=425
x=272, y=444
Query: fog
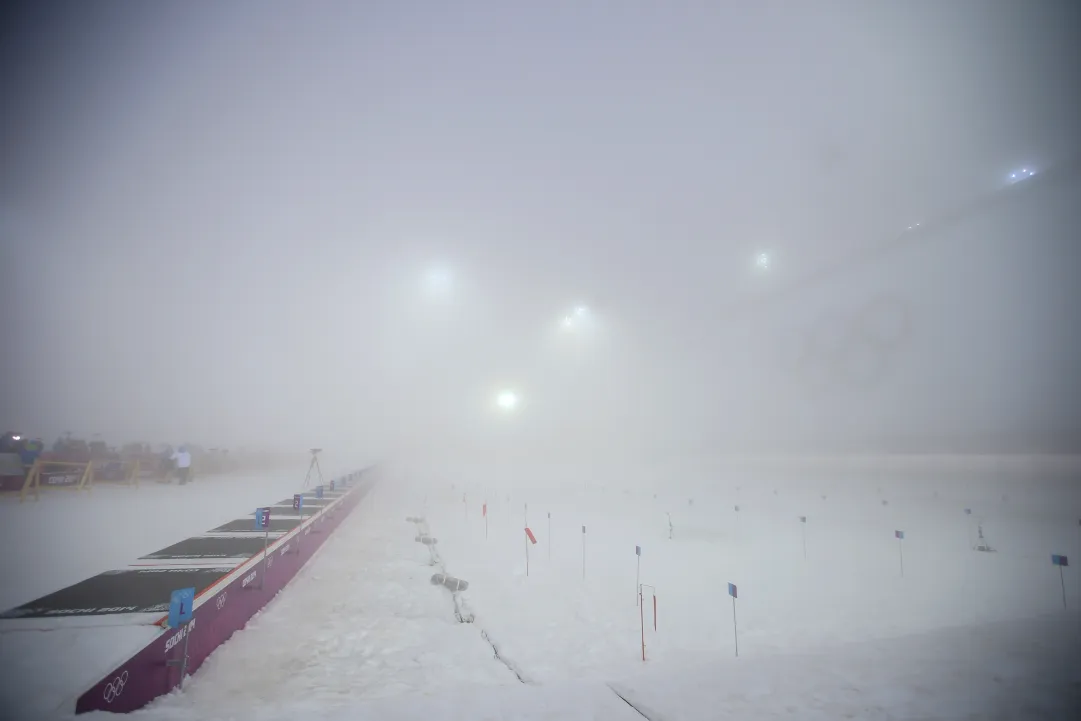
x=354, y=224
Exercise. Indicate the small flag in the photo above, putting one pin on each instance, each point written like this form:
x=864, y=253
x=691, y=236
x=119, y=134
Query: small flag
x=968, y=511
x=549, y=514
x=737, y=509
x=484, y=509
x=638, y=550
x=583, y=529
x=732, y=590
x=1058, y=560
x=899, y=535
x=803, y=519
x=532, y=538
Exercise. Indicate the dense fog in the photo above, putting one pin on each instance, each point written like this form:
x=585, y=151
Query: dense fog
x=786, y=226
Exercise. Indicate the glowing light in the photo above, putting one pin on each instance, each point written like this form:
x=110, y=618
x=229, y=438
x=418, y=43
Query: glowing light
x=762, y=261
x=507, y=400
x=438, y=281
x=1018, y=176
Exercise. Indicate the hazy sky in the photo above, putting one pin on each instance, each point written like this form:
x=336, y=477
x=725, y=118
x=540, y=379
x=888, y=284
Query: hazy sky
x=218, y=219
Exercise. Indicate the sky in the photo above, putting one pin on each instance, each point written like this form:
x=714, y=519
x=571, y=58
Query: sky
x=343, y=223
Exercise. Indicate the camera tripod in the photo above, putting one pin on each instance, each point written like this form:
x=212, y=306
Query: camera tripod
x=314, y=466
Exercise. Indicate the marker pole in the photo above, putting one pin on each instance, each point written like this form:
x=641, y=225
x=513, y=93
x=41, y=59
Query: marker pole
x=642, y=622
x=735, y=632
x=637, y=580
x=1062, y=580
x=266, y=542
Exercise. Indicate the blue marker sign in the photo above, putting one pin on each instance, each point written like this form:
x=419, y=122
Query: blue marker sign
x=298, y=501
x=899, y=535
x=332, y=484
x=968, y=511
x=318, y=491
x=262, y=519
x=732, y=591
x=181, y=607
x=638, y=550
x=1058, y=560
x=803, y=519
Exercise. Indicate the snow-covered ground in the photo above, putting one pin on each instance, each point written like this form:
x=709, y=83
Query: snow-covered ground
x=362, y=633
x=71, y=535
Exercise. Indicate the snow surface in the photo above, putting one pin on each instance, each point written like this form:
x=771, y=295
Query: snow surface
x=68, y=536
x=363, y=634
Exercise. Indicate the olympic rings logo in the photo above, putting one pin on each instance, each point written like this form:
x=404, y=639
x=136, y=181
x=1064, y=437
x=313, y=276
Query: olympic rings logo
x=221, y=599
x=855, y=350
x=115, y=687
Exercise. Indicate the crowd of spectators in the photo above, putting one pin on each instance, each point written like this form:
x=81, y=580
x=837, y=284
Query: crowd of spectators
x=163, y=461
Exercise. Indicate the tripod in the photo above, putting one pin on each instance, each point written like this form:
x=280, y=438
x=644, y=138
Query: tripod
x=314, y=465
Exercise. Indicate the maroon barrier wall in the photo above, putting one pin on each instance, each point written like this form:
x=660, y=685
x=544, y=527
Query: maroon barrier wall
x=148, y=674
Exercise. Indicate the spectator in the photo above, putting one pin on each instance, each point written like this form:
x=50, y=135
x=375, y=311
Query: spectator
x=182, y=458
x=31, y=451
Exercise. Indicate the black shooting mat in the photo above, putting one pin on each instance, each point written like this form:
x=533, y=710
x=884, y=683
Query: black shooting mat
x=143, y=590
x=277, y=523
x=211, y=548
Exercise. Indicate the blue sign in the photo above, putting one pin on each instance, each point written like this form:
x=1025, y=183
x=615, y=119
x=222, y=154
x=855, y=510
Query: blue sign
x=968, y=511
x=181, y=606
x=298, y=501
x=638, y=550
x=318, y=491
x=262, y=519
x=803, y=519
x=331, y=484
x=899, y=535
x=1059, y=560
x=732, y=590
x=583, y=529
x=737, y=509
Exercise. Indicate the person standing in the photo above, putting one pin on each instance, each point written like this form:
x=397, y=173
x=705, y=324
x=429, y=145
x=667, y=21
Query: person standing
x=182, y=459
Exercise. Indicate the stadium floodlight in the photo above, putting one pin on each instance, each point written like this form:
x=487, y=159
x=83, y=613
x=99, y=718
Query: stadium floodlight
x=507, y=400
x=438, y=281
x=1019, y=175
